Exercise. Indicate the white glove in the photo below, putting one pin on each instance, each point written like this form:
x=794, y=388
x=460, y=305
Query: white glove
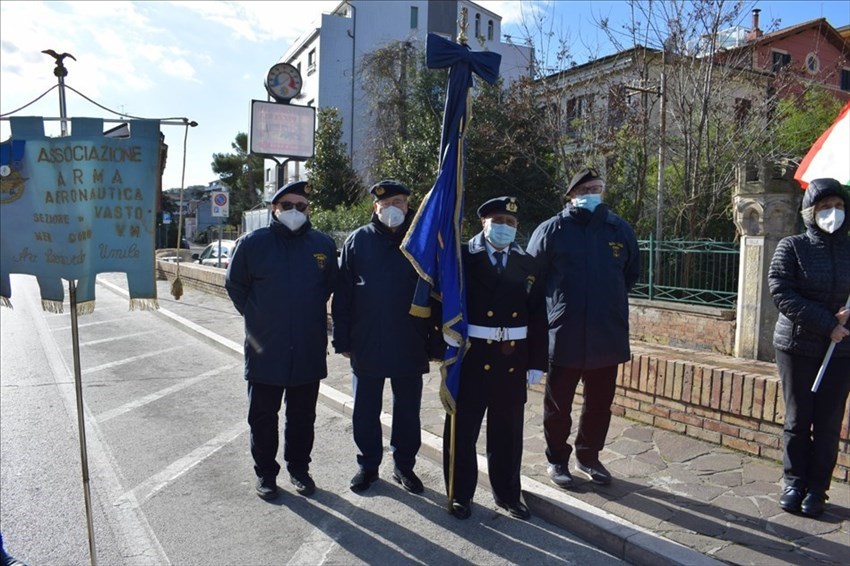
x=534, y=376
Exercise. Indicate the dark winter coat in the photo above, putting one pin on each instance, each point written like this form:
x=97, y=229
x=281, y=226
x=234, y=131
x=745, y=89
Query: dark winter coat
x=511, y=299
x=280, y=282
x=809, y=280
x=371, y=307
x=591, y=261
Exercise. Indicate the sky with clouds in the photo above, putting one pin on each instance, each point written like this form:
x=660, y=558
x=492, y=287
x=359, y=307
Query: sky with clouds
x=206, y=61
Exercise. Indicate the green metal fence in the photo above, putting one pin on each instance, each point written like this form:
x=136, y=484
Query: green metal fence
x=695, y=272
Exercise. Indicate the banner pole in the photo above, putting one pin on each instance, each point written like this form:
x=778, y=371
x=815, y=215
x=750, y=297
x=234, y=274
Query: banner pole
x=452, y=429
x=61, y=72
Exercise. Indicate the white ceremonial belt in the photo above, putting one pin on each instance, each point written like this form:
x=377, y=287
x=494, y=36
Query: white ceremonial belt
x=499, y=334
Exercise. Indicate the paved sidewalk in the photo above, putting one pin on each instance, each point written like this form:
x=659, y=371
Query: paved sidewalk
x=674, y=499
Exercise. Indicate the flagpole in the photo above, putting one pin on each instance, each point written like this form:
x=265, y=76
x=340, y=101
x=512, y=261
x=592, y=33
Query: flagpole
x=463, y=23
x=61, y=72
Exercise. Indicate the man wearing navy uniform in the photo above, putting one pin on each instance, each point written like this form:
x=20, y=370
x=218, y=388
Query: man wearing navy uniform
x=280, y=279
x=591, y=260
x=373, y=327
x=507, y=329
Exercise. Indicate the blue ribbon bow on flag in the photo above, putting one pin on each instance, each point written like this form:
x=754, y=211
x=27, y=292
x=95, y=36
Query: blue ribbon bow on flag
x=433, y=242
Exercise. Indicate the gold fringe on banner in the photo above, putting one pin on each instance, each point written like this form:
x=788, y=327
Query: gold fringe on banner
x=144, y=304
x=85, y=308
x=5, y=302
x=52, y=306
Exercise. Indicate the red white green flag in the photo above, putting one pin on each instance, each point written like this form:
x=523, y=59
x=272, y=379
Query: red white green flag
x=829, y=157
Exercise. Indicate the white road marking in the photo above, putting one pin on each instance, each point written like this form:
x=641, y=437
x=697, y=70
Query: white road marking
x=140, y=545
x=150, y=487
x=131, y=360
x=114, y=338
x=236, y=347
x=132, y=405
x=85, y=324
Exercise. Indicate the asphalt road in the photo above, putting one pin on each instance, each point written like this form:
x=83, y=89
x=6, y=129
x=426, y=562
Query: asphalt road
x=171, y=477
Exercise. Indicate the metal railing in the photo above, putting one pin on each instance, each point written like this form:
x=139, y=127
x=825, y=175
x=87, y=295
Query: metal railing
x=695, y=272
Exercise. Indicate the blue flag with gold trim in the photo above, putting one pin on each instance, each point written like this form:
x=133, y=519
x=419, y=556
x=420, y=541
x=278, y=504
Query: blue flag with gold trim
x=432, y=243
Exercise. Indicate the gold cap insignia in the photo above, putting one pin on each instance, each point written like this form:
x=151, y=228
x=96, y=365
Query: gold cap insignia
x=379, y=190
x=511, y=206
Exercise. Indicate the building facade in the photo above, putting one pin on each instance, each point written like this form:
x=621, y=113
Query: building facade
x=329, y=57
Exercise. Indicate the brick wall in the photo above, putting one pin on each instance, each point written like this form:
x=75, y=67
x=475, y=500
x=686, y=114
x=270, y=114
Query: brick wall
x=683, y=326
x=732, y=402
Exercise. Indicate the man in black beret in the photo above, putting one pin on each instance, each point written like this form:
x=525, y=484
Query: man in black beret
x=591, y=260
x=280, y=279
x=507, y=329
x=373, y=327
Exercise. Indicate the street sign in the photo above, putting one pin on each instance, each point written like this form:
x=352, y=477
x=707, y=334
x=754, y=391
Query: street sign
x=166, y=218
x=282, y=130
x=220, y=203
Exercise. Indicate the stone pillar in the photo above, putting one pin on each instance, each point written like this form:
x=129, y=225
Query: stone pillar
x=766, y=205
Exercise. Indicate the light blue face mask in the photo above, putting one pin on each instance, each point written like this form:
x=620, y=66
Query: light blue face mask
x=499, y=235
x=589, y=202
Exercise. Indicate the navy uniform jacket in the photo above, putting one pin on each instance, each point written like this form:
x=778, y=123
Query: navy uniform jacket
x=514, y=298
x=591, y=262
x=280, y=282
x=371, y=306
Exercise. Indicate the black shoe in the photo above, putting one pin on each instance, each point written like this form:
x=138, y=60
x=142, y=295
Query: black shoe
x=408, y=480
x=517, y=509
x=266, y=488
x=560, y=475
x=303, y=483
x=791, y=499
x=813, y=504
x=363, y=479
x=596, y=472
x=462, y=509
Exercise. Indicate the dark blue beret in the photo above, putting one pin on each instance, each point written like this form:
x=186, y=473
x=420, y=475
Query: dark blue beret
x=388, y=188
x=499, y=205
x=301, y=188
x=583, y=176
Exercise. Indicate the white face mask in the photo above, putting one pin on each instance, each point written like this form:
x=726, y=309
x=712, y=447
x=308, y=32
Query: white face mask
x=390, y=216
x=829, y=219
x=292, y=219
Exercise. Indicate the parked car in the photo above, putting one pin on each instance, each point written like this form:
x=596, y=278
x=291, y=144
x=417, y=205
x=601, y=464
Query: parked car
x=210, y=254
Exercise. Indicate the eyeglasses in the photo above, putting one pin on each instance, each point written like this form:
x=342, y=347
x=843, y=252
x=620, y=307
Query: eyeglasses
x=289, y=205
x=588, y=190
x=396, y=202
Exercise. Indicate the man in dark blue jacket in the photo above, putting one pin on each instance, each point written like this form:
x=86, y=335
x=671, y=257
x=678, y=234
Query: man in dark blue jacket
x=280, y=279
x=591, y=260
x=373, y=327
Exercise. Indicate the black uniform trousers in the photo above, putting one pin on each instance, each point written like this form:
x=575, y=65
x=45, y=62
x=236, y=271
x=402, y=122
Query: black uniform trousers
x=599, y=387
x=504, y=441
x=298, y=430
x=812, y=420
x=406, y=437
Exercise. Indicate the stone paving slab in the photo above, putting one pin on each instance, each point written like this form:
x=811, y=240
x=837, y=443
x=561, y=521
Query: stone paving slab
x=674, y=499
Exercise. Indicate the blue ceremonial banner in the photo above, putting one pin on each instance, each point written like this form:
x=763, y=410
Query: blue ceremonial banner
x=75, y=206
x=432, y=244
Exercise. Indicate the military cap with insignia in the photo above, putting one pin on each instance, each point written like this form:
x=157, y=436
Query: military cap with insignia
x=499, y=205
x=300, y=188
x=583, y=176
x=388, y=188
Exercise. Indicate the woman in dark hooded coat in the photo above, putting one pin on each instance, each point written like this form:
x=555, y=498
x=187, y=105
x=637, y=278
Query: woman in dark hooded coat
x=809, y=281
